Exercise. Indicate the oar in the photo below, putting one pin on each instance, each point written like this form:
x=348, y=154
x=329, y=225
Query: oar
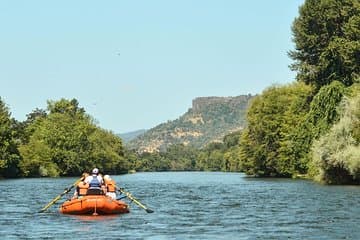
x=62, y=194
x=129, y=195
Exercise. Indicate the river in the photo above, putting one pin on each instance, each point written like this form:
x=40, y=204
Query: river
x=188, y=205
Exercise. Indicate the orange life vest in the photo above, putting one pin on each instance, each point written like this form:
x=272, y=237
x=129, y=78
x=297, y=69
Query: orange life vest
x=110, y=185
x=82, y=188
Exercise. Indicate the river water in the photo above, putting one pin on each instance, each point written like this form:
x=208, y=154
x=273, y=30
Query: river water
x=188, y=205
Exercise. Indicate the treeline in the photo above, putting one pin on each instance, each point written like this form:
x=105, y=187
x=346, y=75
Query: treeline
x=63, y=140
x=216, y=156
x=307, y=128
x=60, y=141
x=312, y=127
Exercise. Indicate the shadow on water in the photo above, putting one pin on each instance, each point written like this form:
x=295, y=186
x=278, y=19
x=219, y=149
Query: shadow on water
x=98, y=218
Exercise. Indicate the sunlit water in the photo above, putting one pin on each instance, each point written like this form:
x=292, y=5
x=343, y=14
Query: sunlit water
x=189, y=205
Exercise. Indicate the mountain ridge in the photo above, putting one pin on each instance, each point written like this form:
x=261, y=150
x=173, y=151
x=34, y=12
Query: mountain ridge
x=128, y=136
x=208, y=120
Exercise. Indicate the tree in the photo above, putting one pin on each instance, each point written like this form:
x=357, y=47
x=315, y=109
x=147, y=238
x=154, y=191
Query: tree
x=321, y=115
x=66, y=142
x=106, y=152
x=272, y=118
x=232, y=139
x=336, y=154
x=65, y=106
x=25, y=129
x=9, y=154
x=59, y=145
x=327, y=42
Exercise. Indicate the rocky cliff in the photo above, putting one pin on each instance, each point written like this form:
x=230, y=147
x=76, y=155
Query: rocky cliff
x=201, y=103
x=209, y=119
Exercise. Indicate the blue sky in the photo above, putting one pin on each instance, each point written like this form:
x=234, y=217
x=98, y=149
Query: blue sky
x=135, y=64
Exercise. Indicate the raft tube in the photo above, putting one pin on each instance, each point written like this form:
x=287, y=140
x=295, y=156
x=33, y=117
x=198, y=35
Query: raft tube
x=94, y=205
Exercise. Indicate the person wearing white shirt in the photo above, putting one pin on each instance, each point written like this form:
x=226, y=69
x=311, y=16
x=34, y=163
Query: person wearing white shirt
x=95, y=182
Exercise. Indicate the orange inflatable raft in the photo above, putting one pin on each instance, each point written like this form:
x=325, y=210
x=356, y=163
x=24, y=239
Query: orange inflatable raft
x=94, y=205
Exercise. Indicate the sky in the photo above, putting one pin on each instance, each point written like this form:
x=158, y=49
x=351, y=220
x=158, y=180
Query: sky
x=138, y=63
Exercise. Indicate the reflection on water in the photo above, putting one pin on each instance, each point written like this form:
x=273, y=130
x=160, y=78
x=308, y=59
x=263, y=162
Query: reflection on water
x=189, y=205
x=98, y=218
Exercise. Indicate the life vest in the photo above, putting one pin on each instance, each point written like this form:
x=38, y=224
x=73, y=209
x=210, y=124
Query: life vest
x=110, y=185
x=82, y=188
x=94, y=183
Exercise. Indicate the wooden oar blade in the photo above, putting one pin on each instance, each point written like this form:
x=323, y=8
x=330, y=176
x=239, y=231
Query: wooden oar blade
x=42, y=210
x=148, y=210
x=129, y=195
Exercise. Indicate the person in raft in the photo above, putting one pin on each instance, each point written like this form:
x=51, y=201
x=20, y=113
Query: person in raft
x=82, y=187
x=110, y=185
x=95, y=182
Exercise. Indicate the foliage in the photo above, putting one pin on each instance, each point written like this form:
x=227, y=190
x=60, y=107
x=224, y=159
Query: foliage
x=327, y=40
x=319, y=119
x=181, y=157
x=336, y=154
x=59, y=139
x=272, y=118
x=216, y=156
x=63, y=141
x=23, y=130
x=323, y=110
x=152, y=162
x=9, y=155
x=106, y=152
x=177, y=157
x=66, y=142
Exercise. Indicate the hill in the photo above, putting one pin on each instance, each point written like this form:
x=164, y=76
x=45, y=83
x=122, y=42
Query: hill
x=208, y=120
x=126, y=137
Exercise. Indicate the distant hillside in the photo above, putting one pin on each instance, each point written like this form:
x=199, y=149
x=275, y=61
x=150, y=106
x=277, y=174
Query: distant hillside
x=126, y=137
x=209, y=119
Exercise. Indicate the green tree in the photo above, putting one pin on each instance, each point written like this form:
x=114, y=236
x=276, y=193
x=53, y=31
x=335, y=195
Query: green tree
x=23, y=130
x=106, y=152
x=336, y=154
x=60, y=142
x=327, y=42
x=181, y=157
x=66, y=142
x=132, y=159
x=232, y=160
x=232, y=139
x=64, y=106
x=231, y=152
x=272, y=118
x=318, y=120
x=9, y=155
x=153, y=162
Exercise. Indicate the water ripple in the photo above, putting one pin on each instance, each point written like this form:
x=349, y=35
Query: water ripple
x=189, y=205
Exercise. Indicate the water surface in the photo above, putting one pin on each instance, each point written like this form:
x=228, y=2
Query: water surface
x=189, y=205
